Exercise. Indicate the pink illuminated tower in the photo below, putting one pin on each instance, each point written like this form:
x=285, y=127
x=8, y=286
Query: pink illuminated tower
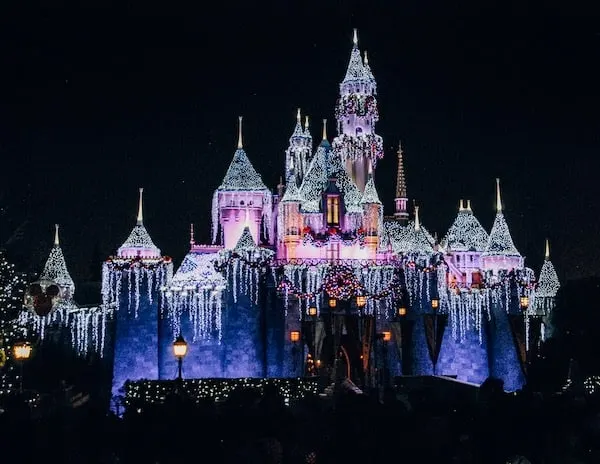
x=242, y=200
x=356, y=112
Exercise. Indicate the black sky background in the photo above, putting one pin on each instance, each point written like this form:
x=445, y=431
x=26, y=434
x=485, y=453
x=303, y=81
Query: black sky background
x=98, y=102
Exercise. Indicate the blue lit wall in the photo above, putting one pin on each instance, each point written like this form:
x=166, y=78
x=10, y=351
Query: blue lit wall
x=466, y=359
x=504, y=361
x=421, y=361
x=136, y=340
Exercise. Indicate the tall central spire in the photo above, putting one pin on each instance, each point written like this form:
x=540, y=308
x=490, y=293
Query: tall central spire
x=140, y=215
x=356, y=112
x=240, y=145
x=498, y=198
x=56, y=240
x=401, y=200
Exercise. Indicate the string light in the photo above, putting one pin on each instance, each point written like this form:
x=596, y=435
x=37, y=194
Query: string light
x=465, y=234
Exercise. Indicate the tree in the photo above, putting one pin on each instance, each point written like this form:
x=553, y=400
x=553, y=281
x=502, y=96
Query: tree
x=12, y=289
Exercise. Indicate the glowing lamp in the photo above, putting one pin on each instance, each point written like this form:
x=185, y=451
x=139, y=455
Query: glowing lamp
x=295, y=336
x=435, y=303
x=22, y=351
x=524, y=300
x=361, y=301
x=332, y=302
x=180, y=347
x=318, y=363
x=387, y=336
x=312, y=311
x=401, y=311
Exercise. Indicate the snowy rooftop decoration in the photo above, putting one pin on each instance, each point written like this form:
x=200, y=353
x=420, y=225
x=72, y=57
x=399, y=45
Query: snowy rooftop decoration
x=292, y=194
x=465, y=233
x=500, y=241
x=406, y=239
x=55, y=269
x=139, y=243
x=246, y=241
x=198, y=270
x=356, y=69
x=367, y=67
x=548, y=283
x=370, y=195
x=241, y=175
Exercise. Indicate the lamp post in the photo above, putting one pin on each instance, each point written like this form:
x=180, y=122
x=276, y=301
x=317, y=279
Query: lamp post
x=435, y=304
x=180, y=348
x=22, y=352
x=295, y=339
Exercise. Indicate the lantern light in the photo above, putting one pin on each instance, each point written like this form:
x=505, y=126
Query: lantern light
x=332, y=302
x=401, y=311
x=295, y=336
x=435, y=303
x=524, y=301
x=361, y=301
x=387, y=336
x=312, y=311
x=180, y=347
x=22, y=351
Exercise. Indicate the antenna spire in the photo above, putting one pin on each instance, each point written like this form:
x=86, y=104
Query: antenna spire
x=547, y=253
x=324, y=129
x=468, y=205
x=417, y=222
x=498, y=198
x=298, y=117
x=366, y=59
x=240, y=145
x=460, y=205
x=56, y=241
x=140, y=216
x=355, y=37
x=306, y=123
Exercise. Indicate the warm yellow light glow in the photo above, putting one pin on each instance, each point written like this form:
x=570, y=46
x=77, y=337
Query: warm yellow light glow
x=402, y=311
x=435, y=303
x=180, y=347
x=22, y=351
x=361, y=301
x=295, y=336
x=332, y=302
x=524, y=301
x=312, y=311
x=387, y=336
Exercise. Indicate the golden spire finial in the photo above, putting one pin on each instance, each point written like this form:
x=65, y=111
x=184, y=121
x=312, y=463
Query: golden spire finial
x=547, y=253
x=417, y=221
x=366, y=59
x=370, y=168
x=355, y=37
x=305, y=123
x=468, y=205
x=324, y=129
x=498, y=198
x=140, y=216
x=56, y=241
x=460, y=205
x=240, y=145
x=298, y=117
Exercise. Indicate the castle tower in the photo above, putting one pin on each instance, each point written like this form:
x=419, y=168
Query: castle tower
x=545, y=293
x=356, y=112
x=55, y=270
x=290, y=219
x=401, y=200
x=242, y=200
x=500, y=252
x=373, y=216
x=298, y=152
x=131, y=283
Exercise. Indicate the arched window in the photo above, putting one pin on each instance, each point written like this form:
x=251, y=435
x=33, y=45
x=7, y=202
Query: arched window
x=333, y=211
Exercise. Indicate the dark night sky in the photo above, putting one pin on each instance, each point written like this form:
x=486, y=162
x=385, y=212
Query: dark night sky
x=96, y=103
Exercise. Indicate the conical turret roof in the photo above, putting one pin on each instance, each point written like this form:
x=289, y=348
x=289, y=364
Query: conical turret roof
x=500, y=241
x=139, y=243
x=241, y=175
x=292, y=194
x=356, y=68
x=466, y=233
x=246, y=240
x=55, y=269
x=548, y=283
x=370, y=195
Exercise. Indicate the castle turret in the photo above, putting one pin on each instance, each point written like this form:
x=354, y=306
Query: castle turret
x=242, y=200
x=290, y=219
x=373, y=215
x=299, y=151
x=545, y=293
x=500, y=252
x=55, y=270
x=401, y=200
x=357, y=144
x=131, y=283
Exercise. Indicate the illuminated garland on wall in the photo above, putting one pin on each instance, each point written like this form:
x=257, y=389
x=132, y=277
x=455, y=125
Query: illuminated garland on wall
x=157, y=391
x=196, y=289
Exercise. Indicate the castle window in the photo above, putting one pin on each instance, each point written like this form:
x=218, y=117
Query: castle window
x=333, y=211
x=333, y=251
x=242, y=203
x=458, y=258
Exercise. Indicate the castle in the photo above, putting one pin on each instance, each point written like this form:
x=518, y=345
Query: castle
x=311, y=278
